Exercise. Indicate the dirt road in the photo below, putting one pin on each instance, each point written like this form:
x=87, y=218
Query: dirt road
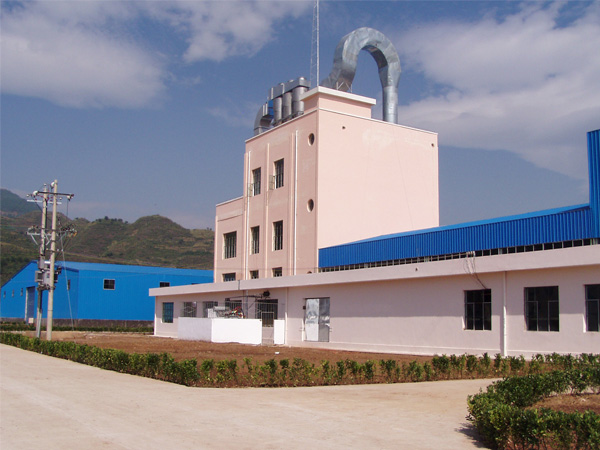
x=52, y=403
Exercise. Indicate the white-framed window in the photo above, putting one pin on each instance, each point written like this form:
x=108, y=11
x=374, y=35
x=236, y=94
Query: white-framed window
x=592, y=307
x=478, y=309
x=255, y=188
x=229, y=276
x=278, y=235
x=278, y=174
x=542, y=308
x=229, y=245
x=254, y=240
x=109, y=285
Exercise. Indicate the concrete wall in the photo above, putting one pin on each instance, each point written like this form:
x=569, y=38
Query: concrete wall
x=242, y=331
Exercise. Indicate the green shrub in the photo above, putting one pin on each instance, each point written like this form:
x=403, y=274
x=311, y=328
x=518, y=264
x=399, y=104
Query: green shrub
x=501, y=417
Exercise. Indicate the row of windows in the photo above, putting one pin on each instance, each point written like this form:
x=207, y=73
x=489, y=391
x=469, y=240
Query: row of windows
x=276, y=181
x=108, y=285
x=267, y=310
x=276, y=272
x=541, y=308
x=230, y=240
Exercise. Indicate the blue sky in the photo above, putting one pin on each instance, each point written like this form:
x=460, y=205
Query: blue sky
x=142, y=108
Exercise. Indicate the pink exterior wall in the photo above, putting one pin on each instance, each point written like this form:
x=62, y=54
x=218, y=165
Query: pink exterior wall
x=229, y=218
x=419, y=308
x=374, y=178
x=346, y=177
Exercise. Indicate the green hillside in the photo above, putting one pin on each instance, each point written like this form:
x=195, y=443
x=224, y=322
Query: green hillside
x=151, y=241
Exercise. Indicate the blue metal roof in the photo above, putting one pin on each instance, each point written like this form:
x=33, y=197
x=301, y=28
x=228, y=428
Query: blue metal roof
x=555, y=225
x=118, y=268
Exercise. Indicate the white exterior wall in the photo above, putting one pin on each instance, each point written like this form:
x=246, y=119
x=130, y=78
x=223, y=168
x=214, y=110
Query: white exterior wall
x=419, y=308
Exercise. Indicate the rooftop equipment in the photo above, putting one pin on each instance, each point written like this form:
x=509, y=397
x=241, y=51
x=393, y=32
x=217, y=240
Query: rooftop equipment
x=283, y=101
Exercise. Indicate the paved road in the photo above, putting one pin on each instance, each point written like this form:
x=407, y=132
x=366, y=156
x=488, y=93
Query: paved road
x=51, y=403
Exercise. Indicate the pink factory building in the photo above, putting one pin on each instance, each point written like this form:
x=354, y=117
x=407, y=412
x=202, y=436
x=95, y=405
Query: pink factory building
x=336, y=242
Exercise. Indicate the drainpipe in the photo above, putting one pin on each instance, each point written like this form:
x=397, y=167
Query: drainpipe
x=503, y=349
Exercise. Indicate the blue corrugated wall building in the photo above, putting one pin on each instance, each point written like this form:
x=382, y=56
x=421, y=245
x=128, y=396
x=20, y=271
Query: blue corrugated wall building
x=86, y=291
x=574, y=225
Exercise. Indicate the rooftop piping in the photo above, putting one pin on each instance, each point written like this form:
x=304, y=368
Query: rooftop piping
x=283, y=100
x=385, y=55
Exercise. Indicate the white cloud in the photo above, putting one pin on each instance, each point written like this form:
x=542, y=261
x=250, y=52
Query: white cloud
x=522, y=84
x=62, y=52
x=218, y=30
x=92, y=53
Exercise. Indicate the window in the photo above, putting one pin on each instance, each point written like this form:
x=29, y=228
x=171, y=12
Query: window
x=208, y=309
x=189, y=309
x=478, y=309
x=21, y=292
x=229, y=277
x=164, y=284
x=255, y=240
x=592, y=307
x=253, y=274
x=255, y=188
x=109, y=285
x=68, y=285
x=278, y=235
x=277, y=272
x=278, y=177
x=167, y=312
x=541, y=308
x=266, y=311
x=229, y=244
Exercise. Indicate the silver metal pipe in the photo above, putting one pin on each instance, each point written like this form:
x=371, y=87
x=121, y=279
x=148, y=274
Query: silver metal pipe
x=385, y=55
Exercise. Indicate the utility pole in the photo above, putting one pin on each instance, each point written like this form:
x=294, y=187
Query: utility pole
x=41, y=261
x=46, y=273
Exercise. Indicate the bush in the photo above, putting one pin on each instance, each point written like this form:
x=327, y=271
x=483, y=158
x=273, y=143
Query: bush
x=501, y=417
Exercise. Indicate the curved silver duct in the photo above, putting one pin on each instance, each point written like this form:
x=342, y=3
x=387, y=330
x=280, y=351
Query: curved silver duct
x=384, y=54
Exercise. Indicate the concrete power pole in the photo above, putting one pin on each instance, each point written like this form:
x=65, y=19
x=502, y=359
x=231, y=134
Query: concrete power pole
x=52, y=262
x=41, y=261
x=45, y=275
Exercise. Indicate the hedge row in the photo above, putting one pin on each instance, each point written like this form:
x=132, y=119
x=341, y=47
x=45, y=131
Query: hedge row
x=504, y=416
x=18, y=326
x=295, y=372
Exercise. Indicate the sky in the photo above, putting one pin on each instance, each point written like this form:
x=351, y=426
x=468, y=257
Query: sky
x=143, y=107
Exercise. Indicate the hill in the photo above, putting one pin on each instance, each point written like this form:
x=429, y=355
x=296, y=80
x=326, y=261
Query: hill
x=149, y=241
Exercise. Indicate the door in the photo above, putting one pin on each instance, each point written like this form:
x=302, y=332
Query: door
x=316, y=319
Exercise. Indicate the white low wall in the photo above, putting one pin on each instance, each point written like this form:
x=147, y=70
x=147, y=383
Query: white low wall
x=242, y=331
x=279, y=332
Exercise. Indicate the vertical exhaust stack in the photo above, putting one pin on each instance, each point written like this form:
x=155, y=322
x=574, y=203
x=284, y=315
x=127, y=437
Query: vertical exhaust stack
x=385, y=55
x=283, y=103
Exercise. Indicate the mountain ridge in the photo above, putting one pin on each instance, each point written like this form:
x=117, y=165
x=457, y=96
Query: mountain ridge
x=150, y=240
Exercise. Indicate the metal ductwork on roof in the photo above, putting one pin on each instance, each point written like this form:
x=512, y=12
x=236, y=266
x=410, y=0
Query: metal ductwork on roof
x=283, y=102
x=385, y=55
